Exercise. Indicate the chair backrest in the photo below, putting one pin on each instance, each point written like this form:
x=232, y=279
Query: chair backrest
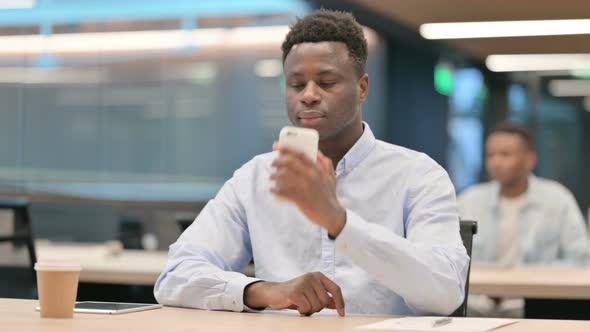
x=183, y=224
x=467, y=228
x=22, y=280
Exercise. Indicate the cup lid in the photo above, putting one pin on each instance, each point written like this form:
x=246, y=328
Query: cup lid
x=57, y=265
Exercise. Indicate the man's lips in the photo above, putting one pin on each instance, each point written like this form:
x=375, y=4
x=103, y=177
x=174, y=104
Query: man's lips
x=307, y=115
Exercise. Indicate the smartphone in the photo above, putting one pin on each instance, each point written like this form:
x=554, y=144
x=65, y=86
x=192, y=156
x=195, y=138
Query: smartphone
x=301, y=139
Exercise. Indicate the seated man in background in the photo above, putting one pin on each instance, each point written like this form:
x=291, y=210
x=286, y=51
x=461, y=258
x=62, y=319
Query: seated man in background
x=378, y=233
x=522, y=219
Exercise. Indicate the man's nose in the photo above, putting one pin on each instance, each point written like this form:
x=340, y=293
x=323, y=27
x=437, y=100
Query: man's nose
x=311, y=94
x=493, y=161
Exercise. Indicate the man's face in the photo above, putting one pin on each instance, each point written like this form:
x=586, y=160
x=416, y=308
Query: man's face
x=324, y=91
x=507, y=158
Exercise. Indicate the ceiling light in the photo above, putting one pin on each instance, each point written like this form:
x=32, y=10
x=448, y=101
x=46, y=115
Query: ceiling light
x=23, y=75
x=138, y=40
x=459, y=30
x=537, y=62
x=569, y=88
x=17, y=4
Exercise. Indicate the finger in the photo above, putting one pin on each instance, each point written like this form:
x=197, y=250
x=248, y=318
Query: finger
x=287, y=151
x=302, y=304
x=312, y=297
x=285, y=176
x=286, y=183
x=276, y=146
x=336, y=292
x=293, y=165
x=322, y=294
x=283, y=193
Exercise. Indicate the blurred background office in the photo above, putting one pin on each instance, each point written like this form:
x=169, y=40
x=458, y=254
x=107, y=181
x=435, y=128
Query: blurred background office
x=120, y=119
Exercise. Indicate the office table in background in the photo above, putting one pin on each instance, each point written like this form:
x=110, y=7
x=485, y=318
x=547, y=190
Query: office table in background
x=532, y=282
x=549, y=292
x=102, y=263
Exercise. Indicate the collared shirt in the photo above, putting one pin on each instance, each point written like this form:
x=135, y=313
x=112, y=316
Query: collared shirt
x=400, y=251
x=552, y=229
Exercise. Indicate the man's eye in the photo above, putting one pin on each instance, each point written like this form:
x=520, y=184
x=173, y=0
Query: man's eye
x=327, y=84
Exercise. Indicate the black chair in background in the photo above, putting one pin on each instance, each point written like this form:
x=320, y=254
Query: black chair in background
x=18, y=281
x=130, y=233
x=183, y=224
x=468, y=229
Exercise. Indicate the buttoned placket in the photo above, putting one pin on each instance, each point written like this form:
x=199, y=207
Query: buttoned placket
x=328, y=248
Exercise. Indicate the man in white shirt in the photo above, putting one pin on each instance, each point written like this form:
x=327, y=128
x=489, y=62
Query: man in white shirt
x=522, y=219
x=368, y=225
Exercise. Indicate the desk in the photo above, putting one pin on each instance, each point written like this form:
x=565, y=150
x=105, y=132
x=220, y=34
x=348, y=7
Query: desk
x=102, y=263
x=105, y=264
x=528, y=282
x=559, y=293
x=19, y=315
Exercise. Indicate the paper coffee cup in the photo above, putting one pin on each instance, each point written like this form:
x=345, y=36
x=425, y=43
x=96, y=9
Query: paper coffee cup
x=57, y=285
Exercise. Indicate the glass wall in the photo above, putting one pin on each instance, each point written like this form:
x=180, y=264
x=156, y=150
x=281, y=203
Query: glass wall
x=148, y=124
x=141, y=111
x=465, y=128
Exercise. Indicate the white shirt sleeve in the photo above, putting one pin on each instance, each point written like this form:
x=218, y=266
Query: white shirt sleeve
x=574, y=244
x=204, y=265
x=428, y=267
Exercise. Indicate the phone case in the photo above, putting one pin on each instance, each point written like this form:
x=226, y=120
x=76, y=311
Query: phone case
x=300, y=139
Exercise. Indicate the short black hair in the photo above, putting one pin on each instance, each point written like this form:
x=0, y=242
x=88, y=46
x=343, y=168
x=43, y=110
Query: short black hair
x=516, y=129
x=329, y=25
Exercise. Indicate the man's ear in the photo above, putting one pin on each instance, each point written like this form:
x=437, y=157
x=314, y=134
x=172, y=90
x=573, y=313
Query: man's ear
x=363, y=84
x=531, y=160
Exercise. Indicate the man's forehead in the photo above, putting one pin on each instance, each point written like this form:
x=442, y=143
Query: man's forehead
x=504, y=139
x=337, y=51
x=324, y=57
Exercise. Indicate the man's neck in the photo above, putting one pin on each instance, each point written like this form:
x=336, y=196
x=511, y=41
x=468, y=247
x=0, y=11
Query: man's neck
x=515, y=189
x=336, y=147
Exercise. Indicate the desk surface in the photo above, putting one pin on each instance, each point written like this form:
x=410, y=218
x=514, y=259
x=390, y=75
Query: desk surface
x=529, y=282
x=102, y=263
x=20, y=315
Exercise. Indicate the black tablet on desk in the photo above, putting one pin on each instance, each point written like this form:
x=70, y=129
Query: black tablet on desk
x=113, y=308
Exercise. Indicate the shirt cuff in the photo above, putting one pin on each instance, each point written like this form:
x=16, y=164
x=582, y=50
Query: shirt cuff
x=349, y=235
x=234, y=299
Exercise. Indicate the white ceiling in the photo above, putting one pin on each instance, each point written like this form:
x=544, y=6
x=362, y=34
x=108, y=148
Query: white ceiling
x=413, y=13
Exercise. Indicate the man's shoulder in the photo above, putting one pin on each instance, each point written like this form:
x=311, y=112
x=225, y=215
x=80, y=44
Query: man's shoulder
x=405, y=156
x=550, y=187
x=258, y=163
x=478, y=190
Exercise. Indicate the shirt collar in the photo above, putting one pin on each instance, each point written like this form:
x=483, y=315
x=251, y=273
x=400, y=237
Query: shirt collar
x=358, y=151
x=531, y=198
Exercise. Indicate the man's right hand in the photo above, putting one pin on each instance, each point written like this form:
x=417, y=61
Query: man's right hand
x=307, y=294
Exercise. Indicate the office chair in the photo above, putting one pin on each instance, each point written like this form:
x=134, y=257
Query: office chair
x=22, y=282
x=130, y=233
x=183, y=223
x=468, y=229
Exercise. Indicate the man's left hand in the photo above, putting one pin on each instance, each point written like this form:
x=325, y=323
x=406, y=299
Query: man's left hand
x=311, y=186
